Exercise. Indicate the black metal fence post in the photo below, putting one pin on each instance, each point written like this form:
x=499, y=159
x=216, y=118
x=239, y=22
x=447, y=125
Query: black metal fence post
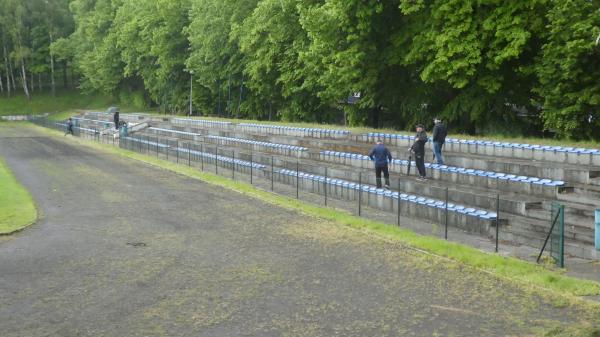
x=446, y=216
x=497, y=220
x=251, y=167
x=359, y=193
x=202, y=157
x=233, y=165
x=272, y=173
x=177, y=150
x=325, y=185
x=297, y=178
x=398, y=202
x=189, y=154
x=216, y=155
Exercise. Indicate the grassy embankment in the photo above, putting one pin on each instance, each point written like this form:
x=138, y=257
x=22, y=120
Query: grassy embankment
x=17, y=209
x=63, y=105
x=523, y=272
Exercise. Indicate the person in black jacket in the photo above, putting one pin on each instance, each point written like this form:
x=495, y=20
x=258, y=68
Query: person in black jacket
x=418, y=148
x=439, y=138
x=381, y=156
x=116, y=119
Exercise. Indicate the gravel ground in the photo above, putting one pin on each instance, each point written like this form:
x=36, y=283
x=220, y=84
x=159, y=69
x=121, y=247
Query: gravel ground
x=125, y=249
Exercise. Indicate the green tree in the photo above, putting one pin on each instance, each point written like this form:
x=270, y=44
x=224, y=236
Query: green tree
x=272, y=40
x=479, y=55
x=93, y=45
x=215, y=56
x=149, y=36
x=569, y=70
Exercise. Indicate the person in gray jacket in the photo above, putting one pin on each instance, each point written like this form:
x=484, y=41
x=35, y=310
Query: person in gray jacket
x=381, y=156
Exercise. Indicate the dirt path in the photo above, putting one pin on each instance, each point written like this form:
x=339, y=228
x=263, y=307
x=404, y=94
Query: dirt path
x=125, y=249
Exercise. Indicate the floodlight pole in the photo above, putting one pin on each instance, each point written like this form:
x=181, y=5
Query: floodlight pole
x=191, y=89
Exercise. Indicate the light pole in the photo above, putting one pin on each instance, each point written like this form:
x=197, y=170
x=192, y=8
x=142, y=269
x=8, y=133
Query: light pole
x=191, y=89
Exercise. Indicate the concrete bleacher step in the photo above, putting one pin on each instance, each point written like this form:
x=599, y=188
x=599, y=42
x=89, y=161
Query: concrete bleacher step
x=459, y=175
x=550, y=154
x=469, y=219
x=509, y=202
x=575, y=227
x=533, y=232
x=586, y=193
x=522, y=236
x=230, y=141
x=492, y=180
x=557, y=171
x=518, y=167
x=466, y=195
x=574, y=208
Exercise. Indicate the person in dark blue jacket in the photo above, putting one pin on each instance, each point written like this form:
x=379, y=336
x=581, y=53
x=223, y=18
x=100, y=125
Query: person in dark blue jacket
x=381, y=156
x=69, y=127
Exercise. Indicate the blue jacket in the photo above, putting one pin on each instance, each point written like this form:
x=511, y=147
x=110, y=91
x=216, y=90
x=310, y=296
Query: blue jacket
x=380, y=155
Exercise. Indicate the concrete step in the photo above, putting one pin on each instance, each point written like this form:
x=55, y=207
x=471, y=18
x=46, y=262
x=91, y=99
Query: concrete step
x=533, y=233
x=556, y=171
x=548, y=154
x=490, y=180
x=576, y=228
x=574, y=208
x=471, y=195
x=503, y=184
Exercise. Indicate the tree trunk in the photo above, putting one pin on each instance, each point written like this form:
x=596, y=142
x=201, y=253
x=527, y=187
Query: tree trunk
x=229, y=114
x=237, y=115
x=12, y=76
x=6, y=68
x=270, y=111
x=31, y=82
x=65, y=81
x=52, y=67
x=24, y=79
x=1, y=84
x=40, y=81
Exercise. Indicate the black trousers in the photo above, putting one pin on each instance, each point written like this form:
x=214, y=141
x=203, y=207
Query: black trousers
x=116, y=120
x=420, y=160
x=386, y=175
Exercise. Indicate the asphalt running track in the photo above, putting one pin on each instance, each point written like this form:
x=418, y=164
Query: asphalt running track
x=126, y=249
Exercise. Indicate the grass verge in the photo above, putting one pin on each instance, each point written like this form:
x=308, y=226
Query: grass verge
x=509, y=268
x=63, y=105
x=17, y=209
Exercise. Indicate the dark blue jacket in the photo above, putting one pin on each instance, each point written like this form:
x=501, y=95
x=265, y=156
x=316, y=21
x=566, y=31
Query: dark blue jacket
x=380, y=155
